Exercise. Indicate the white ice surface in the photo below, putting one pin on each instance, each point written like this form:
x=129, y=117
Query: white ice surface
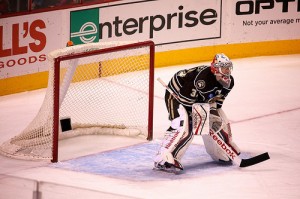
x=264, y=108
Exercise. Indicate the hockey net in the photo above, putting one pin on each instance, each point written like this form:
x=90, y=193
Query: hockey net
x=97, y=88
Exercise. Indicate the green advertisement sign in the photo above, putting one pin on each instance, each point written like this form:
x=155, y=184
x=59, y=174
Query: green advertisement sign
x=84, y=26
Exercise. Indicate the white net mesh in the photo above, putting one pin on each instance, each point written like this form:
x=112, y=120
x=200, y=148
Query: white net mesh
x=107, y=93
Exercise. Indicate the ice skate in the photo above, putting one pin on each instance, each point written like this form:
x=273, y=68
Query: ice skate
x=167, y=167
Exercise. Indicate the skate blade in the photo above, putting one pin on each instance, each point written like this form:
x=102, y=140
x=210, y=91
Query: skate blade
x=172, y=170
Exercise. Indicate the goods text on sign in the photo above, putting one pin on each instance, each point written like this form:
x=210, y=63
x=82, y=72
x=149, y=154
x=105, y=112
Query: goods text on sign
x=19, y=33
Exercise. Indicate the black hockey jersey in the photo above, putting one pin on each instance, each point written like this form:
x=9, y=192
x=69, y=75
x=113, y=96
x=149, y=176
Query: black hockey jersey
x=199, y=85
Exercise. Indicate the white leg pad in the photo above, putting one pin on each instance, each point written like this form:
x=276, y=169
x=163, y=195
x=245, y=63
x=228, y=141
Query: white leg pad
x=213, y=150
x=227, y=129
x=171, y=139
x=164, y=156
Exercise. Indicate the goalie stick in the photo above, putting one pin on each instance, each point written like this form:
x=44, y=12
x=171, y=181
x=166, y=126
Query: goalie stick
x=223, y=146
x=168, y=89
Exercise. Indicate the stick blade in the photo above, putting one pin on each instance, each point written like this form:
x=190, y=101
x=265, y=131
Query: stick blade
x=254, y=160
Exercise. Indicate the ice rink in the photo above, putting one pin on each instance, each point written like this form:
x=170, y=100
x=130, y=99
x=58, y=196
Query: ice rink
x=263, y=107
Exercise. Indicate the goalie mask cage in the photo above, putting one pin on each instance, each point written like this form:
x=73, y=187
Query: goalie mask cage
x=97, y=88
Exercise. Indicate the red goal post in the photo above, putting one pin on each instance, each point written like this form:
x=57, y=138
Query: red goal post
x=98, y=88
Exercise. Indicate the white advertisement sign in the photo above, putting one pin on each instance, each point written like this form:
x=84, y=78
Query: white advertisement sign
x=266, y=20
x=25, y=41
x=165, y=23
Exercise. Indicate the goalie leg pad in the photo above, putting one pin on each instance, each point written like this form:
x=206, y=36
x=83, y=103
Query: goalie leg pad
x=175, y=141
x=226, y=132
x=165, y=160
x=213, y=150
x=164, y=156
x=226, y=135
x=220, y=124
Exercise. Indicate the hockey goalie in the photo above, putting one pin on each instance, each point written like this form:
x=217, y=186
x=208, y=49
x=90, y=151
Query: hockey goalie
x=194, y=97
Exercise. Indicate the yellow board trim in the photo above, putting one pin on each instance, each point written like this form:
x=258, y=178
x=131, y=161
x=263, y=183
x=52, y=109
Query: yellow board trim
x=242, y=50
x=108, y=68
x=23, y=83
x=174, y=57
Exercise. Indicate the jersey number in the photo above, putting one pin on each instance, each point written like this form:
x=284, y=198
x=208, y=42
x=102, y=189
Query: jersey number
x=194, y=93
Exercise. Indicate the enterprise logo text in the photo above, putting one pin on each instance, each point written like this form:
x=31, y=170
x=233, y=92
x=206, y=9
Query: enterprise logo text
x=156, y=23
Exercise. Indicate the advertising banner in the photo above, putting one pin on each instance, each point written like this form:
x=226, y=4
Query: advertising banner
x=171, y=24
x=25, y=42
x=264, y=21
x=165, y=22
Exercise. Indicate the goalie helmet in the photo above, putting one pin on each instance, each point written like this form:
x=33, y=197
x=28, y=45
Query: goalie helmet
x=221, y=67
x=221, y=64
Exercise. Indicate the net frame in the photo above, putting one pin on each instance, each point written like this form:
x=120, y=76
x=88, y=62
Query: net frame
x=56, y=92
